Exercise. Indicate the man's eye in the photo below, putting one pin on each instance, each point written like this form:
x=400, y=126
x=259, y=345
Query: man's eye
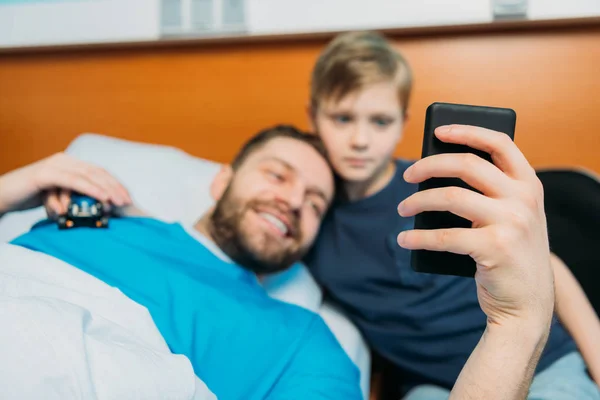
x=276, y=176
x=316, y=208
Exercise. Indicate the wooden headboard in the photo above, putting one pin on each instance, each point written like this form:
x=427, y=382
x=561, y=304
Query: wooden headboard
x=207, y=98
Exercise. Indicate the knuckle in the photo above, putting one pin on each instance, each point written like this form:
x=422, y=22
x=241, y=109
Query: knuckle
x=532, y=197
x=470, y=162
x=443, y=238
x=503, y=141
x=501, y=238
x=93, y=170
x=87, y=170
x=519, y=220
x=453, y=194
x=80, y=182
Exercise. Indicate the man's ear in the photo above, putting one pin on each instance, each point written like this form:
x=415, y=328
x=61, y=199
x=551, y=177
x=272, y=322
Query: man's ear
x=220, y=182
x=406, y=115
x=311, y=115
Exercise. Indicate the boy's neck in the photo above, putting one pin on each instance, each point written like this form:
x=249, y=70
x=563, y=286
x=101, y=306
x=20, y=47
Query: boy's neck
x=359, y=190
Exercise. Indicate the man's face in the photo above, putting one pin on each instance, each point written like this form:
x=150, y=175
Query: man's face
x=361, y=130
x=269, y=214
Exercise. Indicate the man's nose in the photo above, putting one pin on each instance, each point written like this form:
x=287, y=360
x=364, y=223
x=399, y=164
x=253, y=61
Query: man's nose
x=293, y=194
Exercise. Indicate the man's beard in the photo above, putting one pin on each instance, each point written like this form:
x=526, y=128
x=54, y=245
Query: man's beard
x=227, y=231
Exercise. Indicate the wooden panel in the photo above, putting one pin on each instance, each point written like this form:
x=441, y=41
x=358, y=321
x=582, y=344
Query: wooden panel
x=209, y=99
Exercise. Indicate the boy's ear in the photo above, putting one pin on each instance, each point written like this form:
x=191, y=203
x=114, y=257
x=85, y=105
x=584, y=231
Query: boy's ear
x=406, y=116
x=221, y=182
x=310, y=114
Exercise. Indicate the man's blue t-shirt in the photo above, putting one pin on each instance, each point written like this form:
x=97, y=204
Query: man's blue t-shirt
x=427, y=325
x=242, y=343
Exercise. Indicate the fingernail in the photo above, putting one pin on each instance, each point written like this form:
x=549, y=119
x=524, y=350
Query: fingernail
x=408, y=173
x=401, y=208
x=443, y=129
x=401, y=238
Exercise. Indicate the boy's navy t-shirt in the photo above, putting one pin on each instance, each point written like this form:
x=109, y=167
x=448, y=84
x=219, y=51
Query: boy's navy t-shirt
x=427, y=325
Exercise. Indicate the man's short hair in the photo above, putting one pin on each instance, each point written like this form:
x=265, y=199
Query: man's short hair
x=279, y=131
x=356, y=59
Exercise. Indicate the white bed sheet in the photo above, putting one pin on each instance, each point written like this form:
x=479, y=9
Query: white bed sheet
x=68, y=335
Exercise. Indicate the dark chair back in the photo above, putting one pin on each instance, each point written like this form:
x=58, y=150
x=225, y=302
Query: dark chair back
x=572, y=203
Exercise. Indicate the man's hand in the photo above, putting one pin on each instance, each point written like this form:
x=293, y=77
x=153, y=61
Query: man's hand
x=55, y=177
x=509, y=243
x=509, y=239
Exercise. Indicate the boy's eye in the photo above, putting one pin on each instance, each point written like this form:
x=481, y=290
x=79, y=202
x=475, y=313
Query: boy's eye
x=342, y=118
x=381, y=121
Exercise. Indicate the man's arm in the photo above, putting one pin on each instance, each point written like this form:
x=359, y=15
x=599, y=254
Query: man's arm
x=509, y=243
x=503, y=363
x=578, y=316
x=58, y=175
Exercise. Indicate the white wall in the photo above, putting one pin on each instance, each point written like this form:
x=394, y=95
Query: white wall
x=286, y=16
x=550, y=9
x=44, y=22
x=78, y=21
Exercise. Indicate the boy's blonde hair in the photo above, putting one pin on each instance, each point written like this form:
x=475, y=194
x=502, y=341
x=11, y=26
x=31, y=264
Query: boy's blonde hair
x=355, y=59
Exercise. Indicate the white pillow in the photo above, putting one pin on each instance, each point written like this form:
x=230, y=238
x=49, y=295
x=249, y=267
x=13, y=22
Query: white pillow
x=170, y=185
x=166, y=182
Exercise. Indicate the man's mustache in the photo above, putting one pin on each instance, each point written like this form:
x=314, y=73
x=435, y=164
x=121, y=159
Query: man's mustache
x=291, y=216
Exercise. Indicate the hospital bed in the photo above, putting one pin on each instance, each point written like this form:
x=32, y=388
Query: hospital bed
x=174, y=186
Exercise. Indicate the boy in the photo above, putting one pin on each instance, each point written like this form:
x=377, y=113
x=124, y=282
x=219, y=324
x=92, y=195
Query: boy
x=426, y=325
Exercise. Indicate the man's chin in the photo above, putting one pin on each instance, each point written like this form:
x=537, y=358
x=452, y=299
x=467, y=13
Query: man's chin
x=269, y=262
x=265, y=266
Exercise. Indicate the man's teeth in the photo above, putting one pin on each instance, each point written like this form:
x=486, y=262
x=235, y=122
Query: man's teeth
x=275, y=221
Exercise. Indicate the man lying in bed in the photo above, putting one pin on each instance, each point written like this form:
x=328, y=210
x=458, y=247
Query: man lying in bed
x=269, y=204
x=200, y=284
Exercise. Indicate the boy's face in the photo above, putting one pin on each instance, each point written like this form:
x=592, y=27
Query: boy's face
x=361, y=131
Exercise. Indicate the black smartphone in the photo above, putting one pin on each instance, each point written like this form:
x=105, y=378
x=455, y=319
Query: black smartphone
x=439, y=114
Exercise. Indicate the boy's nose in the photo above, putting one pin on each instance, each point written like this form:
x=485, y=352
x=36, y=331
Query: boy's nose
x=360, y=138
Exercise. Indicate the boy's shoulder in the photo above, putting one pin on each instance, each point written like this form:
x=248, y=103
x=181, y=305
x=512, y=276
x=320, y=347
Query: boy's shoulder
x=403, y=163
x=398, y=182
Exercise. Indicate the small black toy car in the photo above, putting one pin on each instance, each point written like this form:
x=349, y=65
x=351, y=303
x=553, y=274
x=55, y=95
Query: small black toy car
x=83, y=211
